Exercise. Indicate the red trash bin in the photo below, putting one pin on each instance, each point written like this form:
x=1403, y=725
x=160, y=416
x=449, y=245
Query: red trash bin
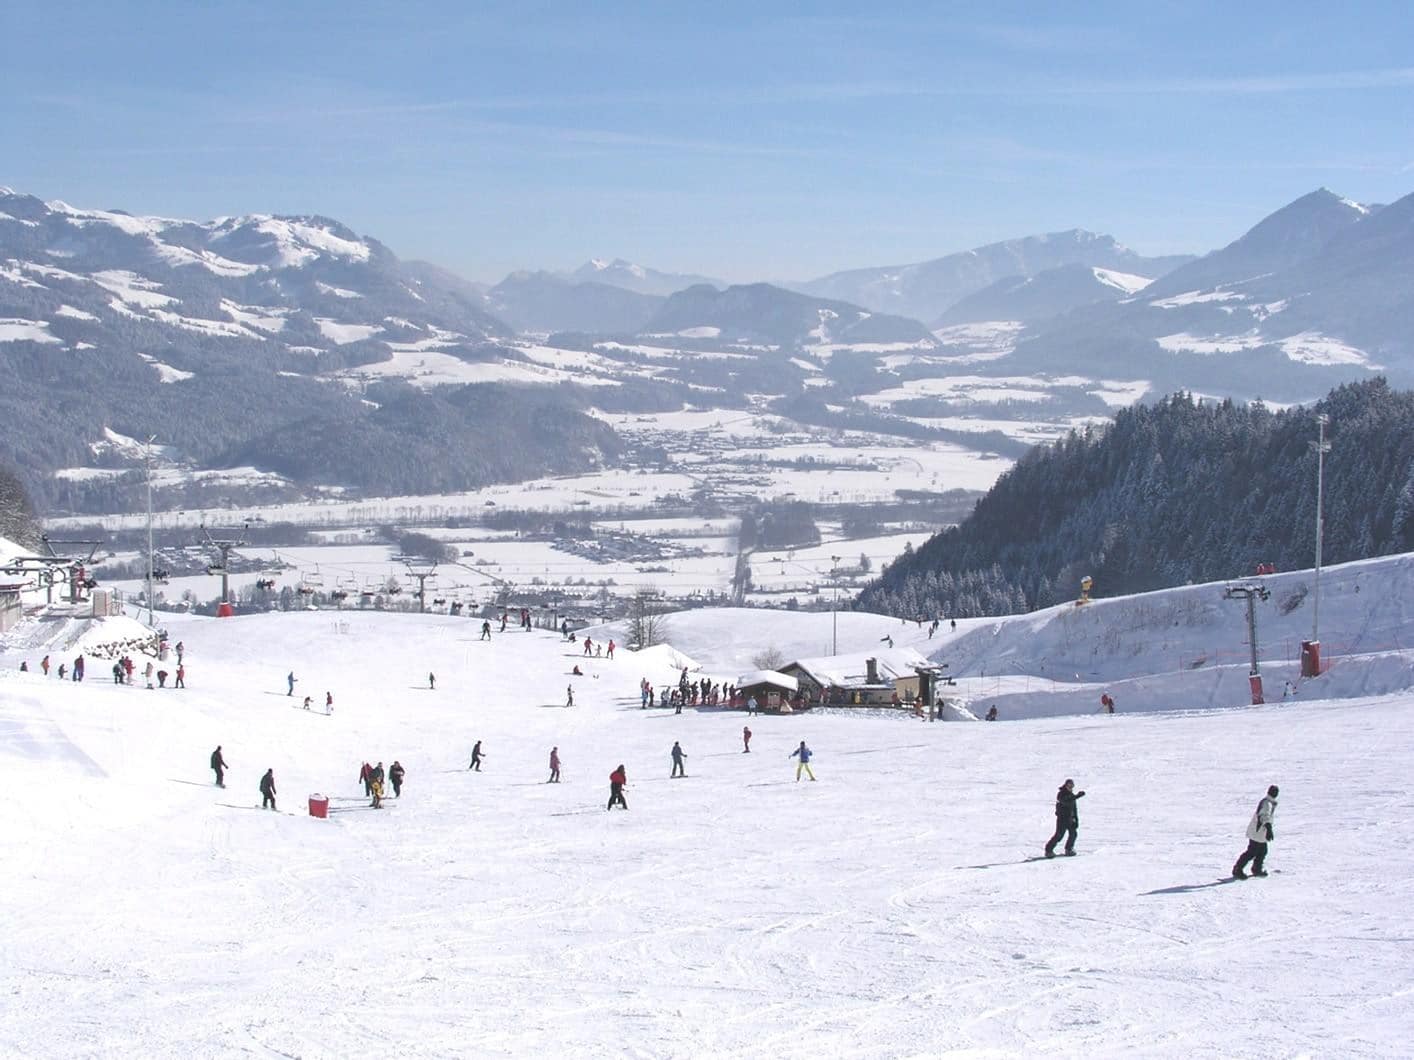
x=1310, y=658
x=318, y=806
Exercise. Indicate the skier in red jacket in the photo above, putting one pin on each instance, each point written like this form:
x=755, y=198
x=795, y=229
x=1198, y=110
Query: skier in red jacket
x=617, y=779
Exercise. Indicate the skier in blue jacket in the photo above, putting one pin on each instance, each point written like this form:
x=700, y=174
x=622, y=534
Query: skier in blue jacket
x=803, y=753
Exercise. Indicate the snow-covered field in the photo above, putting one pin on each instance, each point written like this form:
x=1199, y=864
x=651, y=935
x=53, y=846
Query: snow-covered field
x=888, y=909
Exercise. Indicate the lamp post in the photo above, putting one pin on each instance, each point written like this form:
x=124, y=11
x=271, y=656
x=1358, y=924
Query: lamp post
x=835, y=607
x=147, y=463
x=1322, y=447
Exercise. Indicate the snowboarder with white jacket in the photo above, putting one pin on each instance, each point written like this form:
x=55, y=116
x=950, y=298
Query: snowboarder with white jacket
x=1259, y=834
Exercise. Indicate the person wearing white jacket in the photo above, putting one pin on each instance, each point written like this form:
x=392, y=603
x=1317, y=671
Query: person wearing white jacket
x=1259, y=834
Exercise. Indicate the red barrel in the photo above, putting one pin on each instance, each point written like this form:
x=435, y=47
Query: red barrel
x=318, y=806
x=1255, y=680
x=224, y=610
x=1310, y=658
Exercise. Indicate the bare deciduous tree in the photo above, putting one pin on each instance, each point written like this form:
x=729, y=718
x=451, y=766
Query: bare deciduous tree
x=647, y=626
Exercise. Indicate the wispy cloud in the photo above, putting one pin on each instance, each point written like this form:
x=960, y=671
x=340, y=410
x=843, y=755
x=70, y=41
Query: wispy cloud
x=841, y=92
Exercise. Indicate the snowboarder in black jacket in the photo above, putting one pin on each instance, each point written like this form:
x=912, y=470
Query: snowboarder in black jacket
x=218, y=763
x=267, y=790
x=476, y=757
x=678, y=756
x=1067, y=819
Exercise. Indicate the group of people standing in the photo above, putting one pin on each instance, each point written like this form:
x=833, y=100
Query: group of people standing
x=372, y=778
x=124, y=668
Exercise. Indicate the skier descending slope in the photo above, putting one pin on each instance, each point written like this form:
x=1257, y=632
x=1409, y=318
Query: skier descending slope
x=267, y=790
x=1259, y=834
x=1067, y=819
x=218, y=764
x=678, y=756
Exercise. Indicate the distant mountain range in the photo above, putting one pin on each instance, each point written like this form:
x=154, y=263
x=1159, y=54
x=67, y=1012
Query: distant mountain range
x=285, y=343
x=1033, y=299
x=631, y=277
x=548, y=302
x=762, y=313
x=928, y=289
x=300, y=351
x=1319, y=292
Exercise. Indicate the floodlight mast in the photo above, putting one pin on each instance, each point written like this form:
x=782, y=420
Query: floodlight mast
x=147, y=463
x=1322, y=447
x=835, y=607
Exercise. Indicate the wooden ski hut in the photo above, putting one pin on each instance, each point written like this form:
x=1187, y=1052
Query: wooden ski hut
x=771, y=690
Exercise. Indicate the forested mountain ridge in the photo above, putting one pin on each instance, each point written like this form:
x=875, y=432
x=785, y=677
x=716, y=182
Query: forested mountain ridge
x=1167, y=494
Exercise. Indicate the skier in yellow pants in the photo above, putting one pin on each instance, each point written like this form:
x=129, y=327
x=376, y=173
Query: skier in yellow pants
x=803, y=753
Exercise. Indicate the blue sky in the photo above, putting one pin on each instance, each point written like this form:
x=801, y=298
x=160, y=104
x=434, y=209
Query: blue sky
x=741, y=140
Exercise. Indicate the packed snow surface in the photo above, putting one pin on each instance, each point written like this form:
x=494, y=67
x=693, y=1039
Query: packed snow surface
x=891, y=908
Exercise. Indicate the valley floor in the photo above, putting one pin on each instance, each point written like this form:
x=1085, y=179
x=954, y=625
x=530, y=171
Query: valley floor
x=889, y=909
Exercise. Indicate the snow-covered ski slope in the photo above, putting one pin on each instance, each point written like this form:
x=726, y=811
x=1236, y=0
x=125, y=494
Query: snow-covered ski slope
x=888, y=909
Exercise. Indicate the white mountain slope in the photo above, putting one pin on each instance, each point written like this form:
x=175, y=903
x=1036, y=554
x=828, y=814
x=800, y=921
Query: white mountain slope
x=1314, y=294
x=890, y=908
x=211, y=275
